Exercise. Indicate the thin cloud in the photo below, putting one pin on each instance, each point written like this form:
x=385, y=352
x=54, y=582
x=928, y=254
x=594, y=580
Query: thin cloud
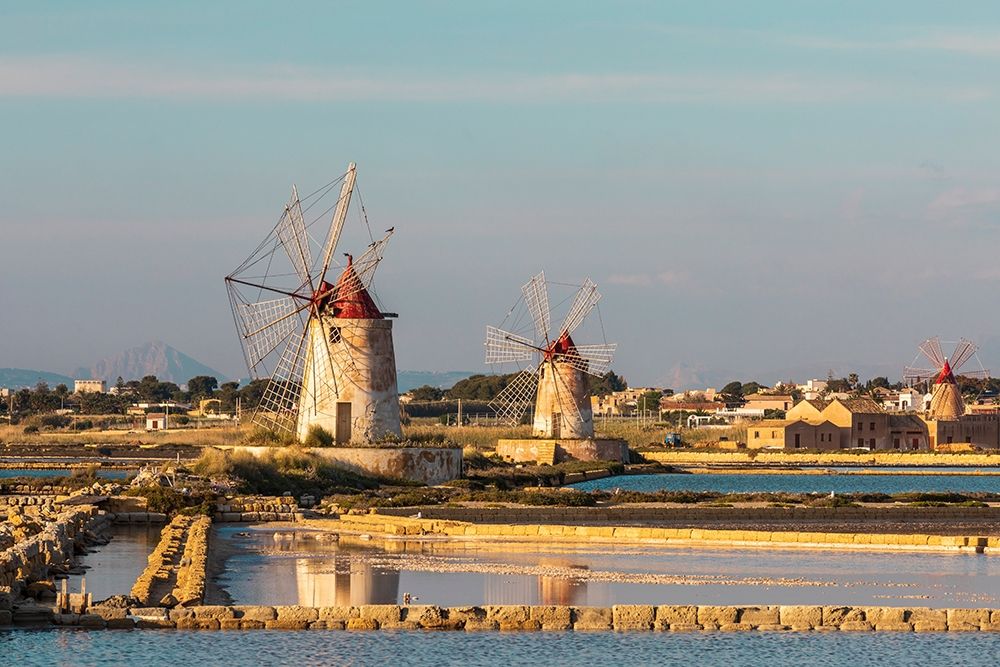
x=68, y=77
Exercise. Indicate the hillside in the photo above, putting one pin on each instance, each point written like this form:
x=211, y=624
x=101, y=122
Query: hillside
x=18, y=378
x=165, y=362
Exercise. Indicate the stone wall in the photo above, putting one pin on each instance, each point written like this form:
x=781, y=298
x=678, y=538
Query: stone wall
x=645, y=535
x=626, y=515
x=257, y=508
x=590, y=449
x=622, y=618
x=175, y=574
x=690, y=457
x=29, y=559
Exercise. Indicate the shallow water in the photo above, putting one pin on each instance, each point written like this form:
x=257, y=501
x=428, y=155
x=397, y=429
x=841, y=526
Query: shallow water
x=171, y=648
x=7, y=473
x=792, y=483
x=115, y=566
x=293, y=567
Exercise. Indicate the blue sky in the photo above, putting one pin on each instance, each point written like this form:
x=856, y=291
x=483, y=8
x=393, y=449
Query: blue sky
x=759, y=188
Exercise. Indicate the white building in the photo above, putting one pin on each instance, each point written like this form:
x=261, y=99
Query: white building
x=89, y=386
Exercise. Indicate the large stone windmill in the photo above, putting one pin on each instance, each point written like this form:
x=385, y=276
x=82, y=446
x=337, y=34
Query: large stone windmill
x=322, y=343
x=946, y=399
x=555, y=381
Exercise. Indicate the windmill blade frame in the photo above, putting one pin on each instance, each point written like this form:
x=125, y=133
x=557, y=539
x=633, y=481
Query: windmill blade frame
x=920, y=374
x=592, y=359
x=583, y=302
x=279, y=406
x=292, y=234
x=964, y=350
x=931, y=348
x=536, y=297
x=339, y=218
x=505, y=347
x=516, y=398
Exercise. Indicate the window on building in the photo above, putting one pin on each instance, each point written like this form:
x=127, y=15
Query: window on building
x=872, y=427
x=756, y=434
x=949, y=439
x=871, y=443
x=334, y=335
x=797, y=435
x=895, y=443
x=861, y=442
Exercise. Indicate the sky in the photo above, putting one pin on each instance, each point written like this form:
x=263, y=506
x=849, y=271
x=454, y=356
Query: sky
x=761, y=190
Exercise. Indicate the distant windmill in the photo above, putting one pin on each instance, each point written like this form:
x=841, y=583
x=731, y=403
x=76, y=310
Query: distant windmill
x=946, y=399
x=325, y=348
x=556, y=380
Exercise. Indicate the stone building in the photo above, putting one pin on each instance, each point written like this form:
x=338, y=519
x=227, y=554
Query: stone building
x=89, y=386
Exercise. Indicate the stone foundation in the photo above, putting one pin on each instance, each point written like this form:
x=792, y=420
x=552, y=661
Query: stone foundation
x=620, y=618
x=590, y=449
x=175, y=574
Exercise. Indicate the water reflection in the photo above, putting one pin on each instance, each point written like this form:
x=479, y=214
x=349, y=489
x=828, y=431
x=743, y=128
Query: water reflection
x=309, y=568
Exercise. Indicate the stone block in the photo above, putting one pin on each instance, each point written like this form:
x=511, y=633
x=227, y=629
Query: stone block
x=286, y=624
x=480, y=625
x=381, y=613
x=343, y=614
x=773, y=627
x=91, y=621
x=154, y=623
x=108, y=613
x=856, y=626
x=213, y=611
x=800, y=617
x=233, y=624
x=893, y=627
x=255, y=613
x=509, y=614
x=669, y=615
x=465, y=614
x=125, y=623
x=519, y=626
x=735, y=627
x=759, y=615
x=711, y=617
x=190, y=623
x=362, y=624
x=327, y=625
x=633, y=616
x=296, y=613
x=971, y=617
x=837, y=615
x=592, y=618
x=553, y=617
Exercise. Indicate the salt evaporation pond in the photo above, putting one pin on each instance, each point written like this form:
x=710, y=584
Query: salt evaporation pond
x=169, y=648
x=289, y=566
x=114, y=567
x=797, y=483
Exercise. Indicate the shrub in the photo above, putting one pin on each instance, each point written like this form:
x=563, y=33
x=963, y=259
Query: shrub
x=31, y=429
x=55, y=421
x=318, y=437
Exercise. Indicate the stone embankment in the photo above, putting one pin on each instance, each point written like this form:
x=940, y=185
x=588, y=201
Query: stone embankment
x=32, y=556
x=257, y=508
x=759, y=457
x=622, y=618
x=396, y=526
x=34, y=490
x=175, y=574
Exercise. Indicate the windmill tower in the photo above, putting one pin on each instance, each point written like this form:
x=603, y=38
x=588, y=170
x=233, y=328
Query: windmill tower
x=946, y=399
x=324, y=347
x=556, y=379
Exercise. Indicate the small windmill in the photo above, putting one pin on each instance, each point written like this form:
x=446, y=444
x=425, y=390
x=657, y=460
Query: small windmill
x=324, y=347
x=556, y=379
x=946, y=399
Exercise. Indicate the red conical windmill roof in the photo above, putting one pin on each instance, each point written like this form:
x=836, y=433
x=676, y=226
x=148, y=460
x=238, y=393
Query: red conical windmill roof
x=563, y=345
x=356, y=303
x=946, y=376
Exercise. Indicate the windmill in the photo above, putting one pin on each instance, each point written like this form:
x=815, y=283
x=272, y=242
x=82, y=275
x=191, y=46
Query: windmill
x=321, y=342
x=946, y=399
x=556, y=379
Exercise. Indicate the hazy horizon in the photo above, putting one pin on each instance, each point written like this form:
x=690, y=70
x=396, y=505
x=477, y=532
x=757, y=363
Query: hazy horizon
x=756, y=189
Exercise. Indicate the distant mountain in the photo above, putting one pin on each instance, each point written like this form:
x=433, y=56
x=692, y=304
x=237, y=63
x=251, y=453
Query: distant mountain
x=165, y=362
x=407, y=380
x=18, y=378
